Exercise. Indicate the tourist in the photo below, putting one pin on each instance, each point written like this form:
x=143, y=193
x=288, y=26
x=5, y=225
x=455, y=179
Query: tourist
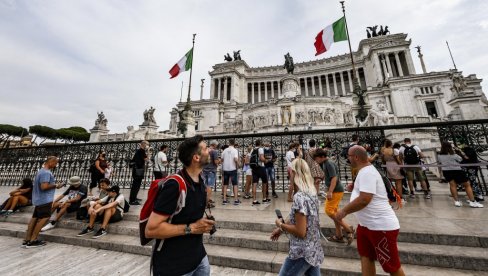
x=303, y=225
x=290, y=156
x=271, y=157
x=259, y=172
x=109, y=171
x=109, y=209
x=315, y=169
x=455, y=175
x=90, y=201
x=19, y=197
x=160, y=163
x=372, y=155
x=138, y=167
x=182, y=252
x=97, y=170
x=411, y=155
x=230, y=163
x=472, y=172
x=209, y=171
x=378, y=225
x=42, y=199
x=75, y=194
x=335, y=192
x=345, y=150
x=246, y=169
x=391, y=158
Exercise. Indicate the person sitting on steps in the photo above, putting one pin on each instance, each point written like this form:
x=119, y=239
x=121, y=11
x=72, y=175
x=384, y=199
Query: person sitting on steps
x=19, y=197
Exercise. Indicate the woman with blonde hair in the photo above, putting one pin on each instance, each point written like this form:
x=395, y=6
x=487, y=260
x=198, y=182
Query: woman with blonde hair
x=306, y=252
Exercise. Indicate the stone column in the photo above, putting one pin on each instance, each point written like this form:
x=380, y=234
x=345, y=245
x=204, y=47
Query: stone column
x=212, y=89
x=408, y=58
x=343, y=88
x=321, y=90
x=306, y=87
x=327, y=85
x=259, y=92
x=279, y=88
x=383, y=64
x=313, y=86
x=351, y=88
x=225, y=89
x=336, y=92
x=388, y=65
x=219, y=90
x=399, y=65
x=377, y=65
x=265, y=91
x=252, y=95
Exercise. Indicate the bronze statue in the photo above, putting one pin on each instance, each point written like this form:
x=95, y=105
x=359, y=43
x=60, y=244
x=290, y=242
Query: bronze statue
x=418, y=49
x=237, y=55
x=289, y=65
x=227, y=57
x=368, y=34
x=381, y=30
x=373, y=30
x=386, y=31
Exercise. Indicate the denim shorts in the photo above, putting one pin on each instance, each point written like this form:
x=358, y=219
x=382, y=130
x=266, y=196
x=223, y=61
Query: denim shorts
x=270, y=172
x=209, y=178
x=298, y=267
x=203, y=269
x=232, y=175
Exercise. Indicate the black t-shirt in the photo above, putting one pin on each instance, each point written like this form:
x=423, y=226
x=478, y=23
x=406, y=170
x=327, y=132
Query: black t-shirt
x=269, y=154
x=72, y=192
x=182, y=254
x=139, y=158
x=29, y=193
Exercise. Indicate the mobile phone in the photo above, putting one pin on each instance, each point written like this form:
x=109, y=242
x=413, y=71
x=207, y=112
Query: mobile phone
x=279, y=215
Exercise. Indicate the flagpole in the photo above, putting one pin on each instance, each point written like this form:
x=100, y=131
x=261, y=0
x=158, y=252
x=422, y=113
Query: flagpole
x=449, y=48
x=191, y=70
x=349, y=41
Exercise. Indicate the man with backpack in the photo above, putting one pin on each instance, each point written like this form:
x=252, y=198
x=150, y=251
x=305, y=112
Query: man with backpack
x=178, y=227
x=271, y=157
x=258, y=172
x=411, y=155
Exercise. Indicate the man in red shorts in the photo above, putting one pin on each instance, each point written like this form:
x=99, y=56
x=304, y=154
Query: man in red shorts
x=378, y=227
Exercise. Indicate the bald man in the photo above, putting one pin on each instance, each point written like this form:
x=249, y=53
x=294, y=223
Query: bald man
x=378, y=227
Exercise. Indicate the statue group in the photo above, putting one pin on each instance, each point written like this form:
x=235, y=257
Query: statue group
x=375, y=33
x=289, y=65
x=149, y=117
x=101, y=121
x=237, y=56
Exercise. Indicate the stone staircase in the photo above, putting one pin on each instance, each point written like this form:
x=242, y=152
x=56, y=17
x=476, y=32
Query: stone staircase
x=242, y=241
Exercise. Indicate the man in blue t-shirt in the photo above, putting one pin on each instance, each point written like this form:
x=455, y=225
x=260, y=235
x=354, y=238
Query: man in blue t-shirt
x=42, y=199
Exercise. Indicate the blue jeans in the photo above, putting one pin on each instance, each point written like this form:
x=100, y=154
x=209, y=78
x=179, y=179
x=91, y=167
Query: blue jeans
x=209, y=178
x=270, y=172
x=298, y=267
x=203, y=269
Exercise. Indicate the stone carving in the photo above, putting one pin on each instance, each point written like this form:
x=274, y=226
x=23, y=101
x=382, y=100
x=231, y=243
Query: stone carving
x=130, y=133
x=237, y=55
x=273, y=118
x=458, y=84
x=227, y=57
x=101, y=121
x=312, y=113
x=381, y=116
x=348, y=117
x=285, y=115
x=149, y=117
x=289, y=65
x=374, y=33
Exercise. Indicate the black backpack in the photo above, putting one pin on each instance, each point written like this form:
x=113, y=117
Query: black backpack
x=410, y=155
x=254, y=160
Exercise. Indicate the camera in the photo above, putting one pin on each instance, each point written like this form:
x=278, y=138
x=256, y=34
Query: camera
x=214, y=229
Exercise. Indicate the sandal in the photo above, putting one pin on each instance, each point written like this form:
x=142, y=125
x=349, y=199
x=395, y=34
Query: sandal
x=336, y=239
x=350, y=235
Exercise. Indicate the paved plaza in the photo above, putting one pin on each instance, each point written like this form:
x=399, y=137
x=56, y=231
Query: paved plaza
x=436, y=238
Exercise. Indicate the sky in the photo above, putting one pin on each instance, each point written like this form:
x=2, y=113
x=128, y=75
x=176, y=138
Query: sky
x=62, y=61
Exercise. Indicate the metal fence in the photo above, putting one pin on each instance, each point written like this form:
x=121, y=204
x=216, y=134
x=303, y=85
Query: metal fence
x=75, y=159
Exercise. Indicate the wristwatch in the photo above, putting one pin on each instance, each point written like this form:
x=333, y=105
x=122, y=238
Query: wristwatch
x=187, y=229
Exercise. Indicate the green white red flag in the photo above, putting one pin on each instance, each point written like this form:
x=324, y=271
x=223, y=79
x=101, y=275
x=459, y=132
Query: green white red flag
x=332, y=33
x=183, y=65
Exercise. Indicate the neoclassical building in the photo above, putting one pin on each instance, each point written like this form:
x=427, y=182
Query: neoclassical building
x=318, y=95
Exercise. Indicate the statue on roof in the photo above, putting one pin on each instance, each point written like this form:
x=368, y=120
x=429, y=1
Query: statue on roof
x=227, y=57
x=289, y=65
x=237, y=55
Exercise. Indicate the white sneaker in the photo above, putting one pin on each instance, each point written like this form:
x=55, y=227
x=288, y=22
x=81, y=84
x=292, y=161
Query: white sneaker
x=404, y=201
x=474, y=204
x=48, y=226
x=458, y=203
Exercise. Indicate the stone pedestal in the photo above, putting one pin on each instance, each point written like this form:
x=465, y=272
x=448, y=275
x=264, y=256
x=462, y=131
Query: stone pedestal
x=190, y=123
x=467, y=107
x=95, y=134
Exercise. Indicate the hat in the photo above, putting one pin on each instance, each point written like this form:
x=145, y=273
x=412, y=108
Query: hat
x=74, y=181
x=114, y=189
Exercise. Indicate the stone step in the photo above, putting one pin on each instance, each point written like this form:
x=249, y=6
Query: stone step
x=244, y=258
x=130, y=226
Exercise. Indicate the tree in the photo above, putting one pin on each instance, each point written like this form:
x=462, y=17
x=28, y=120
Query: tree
x=9, y=131
x=44, y=132
x=73, y=134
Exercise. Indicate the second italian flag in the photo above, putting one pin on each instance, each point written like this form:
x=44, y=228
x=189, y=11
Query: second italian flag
x=183, y=65
x=332, y=33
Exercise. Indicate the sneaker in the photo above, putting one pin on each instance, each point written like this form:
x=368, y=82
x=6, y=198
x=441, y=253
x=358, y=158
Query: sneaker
x=256, y=202
x=47, y=227
x=458, y=203
x=138, y=199
x=24, y=244
x=237, y=202
x=247, y=197
x=134, y=203
x=225, y=202
x=85, y=231
x=99, y=233
x=411, y=196
x=266, y=200
x=479, y=198
x=274, y=195
x=428, y=196
x=474, y=204
x=404, y=201
x=34, y=244
x=8, y=213
x=3, y=212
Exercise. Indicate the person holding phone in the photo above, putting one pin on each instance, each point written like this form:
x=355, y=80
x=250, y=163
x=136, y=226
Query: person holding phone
x=306, y=254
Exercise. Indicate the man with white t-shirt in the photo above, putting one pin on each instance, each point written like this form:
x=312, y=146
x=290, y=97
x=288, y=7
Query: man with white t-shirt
x=378, y=227
x=230, y=163
x=160, y=162
x=411, y=155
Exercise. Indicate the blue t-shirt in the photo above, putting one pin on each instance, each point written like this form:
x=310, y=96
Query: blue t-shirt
x=40, y=197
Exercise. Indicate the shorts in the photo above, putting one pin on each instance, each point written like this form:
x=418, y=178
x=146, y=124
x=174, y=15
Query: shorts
x=72, y=208
x=270, y=172
x=232, y=175
x=457, y=175
x=418, y=174
x=259, y=173
x=209, y=178
x=380, y=246
x=331, y=206
x=249, y=172
x=43, y=211
x=116, y=217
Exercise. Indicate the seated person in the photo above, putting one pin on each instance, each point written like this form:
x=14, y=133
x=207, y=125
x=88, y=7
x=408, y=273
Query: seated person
x=90, y=201
x=19, y=197
x=109, y=209
x=76, y=193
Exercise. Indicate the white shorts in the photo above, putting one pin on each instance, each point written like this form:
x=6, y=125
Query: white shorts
x=249, y=171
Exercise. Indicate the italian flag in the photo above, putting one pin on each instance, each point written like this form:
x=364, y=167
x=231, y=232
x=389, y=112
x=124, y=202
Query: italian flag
x=183, y=65
x=332, y=33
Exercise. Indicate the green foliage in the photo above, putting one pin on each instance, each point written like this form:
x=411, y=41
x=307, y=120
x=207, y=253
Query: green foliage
x=43, y=132
x=73, y=134
x=10, y=130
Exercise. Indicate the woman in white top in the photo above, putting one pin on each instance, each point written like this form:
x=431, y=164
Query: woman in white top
x=454, y=174
x=247, y=170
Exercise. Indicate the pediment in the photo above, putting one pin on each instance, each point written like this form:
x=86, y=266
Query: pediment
x=388, y=44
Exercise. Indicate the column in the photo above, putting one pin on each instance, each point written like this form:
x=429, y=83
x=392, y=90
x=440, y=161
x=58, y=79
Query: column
x=252, y=95
x=388, y=65
x=335, y=84
x=399, y=65
x=212, y=89
x=279, y=88
x=225, y=89
x=259, y=92
x=342, y=83
x=219, y=92
x=313, y=86
x=306, y=87
x=377, y=65
x=327, y=85
x=321, y=90
x=350, y=80
x=383, y=64
x=265, y=91
x=409, y=60
x=230, y=87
